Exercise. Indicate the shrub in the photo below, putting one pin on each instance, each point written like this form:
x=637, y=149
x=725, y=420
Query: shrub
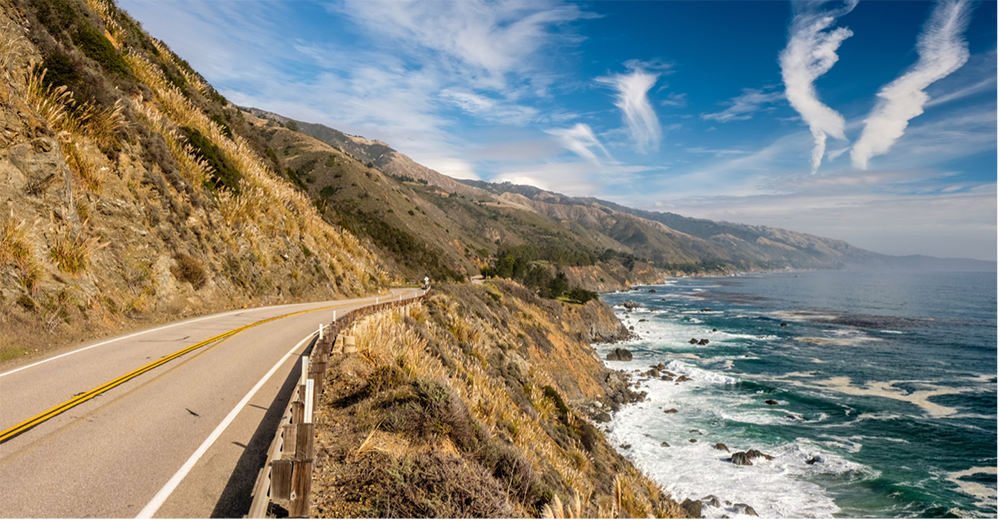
x=189, y=269
x=225, y=172
x=99, y=49
x=581, y=296
x=71, y=252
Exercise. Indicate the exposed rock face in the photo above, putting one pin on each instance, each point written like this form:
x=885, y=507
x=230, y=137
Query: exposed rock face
x=620, y=355
x=693, y=508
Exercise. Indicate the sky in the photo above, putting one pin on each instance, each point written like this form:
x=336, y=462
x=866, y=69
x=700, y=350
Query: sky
x=873, y=122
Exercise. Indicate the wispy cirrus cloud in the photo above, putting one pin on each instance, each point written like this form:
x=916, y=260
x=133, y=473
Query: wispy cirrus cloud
x=811, y=52
x=581, y=140
x=632, y=100
x=942, y=51
x=744, y=106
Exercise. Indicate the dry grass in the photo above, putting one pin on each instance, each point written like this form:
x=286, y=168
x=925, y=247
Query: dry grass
x=71, y=251
x=469, y=343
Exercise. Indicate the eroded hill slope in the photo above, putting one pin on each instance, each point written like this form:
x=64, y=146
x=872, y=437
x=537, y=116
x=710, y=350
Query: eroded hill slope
x=133, y=192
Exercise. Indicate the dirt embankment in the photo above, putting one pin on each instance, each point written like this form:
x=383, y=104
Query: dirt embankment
x=467, y=406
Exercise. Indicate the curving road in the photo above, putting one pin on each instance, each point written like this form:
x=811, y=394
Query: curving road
x=112, y=454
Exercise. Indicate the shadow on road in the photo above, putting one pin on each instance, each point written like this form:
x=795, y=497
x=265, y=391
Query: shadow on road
x=236, y=498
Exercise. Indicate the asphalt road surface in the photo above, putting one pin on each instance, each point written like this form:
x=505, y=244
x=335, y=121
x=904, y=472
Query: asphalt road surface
x=111, y=455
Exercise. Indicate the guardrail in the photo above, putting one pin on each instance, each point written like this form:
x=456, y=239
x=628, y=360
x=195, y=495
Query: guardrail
x=286, y=479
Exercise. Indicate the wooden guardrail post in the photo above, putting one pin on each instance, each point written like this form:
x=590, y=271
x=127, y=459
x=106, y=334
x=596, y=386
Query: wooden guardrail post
x=287, y=478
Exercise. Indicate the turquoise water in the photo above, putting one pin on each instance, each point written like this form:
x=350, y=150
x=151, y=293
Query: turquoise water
x=888, y=379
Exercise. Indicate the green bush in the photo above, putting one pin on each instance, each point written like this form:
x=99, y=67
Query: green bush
x=99, y=49
x=226, y=173
x=581, y=296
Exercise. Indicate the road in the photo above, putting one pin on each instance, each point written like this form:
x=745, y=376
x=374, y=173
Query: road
x=110, y=455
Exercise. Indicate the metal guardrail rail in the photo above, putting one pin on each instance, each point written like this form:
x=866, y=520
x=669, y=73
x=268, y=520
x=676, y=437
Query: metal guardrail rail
x=286, y=479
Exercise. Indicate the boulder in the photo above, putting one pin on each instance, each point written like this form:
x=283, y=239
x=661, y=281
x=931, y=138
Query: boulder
x=626, y=446
x=721, y=446
x=666, y=378
x=714, y=330
x=602, y=417
x=620, y=355
x=706, y=310
x=692, y=507
x=630, y=305
x=664, y=444
x=683, y=378
x=692, y=440
x=652, y=291
x=784, y=324
x=814, y=460
x=711, y=501
x=745, y=509
x=754, y=453
x=703, y=342
x=740, y=458
x=693, y=341
x=771, y=402
x=671, y=411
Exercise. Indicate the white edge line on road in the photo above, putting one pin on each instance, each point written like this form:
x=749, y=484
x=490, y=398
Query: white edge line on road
x=164, y=493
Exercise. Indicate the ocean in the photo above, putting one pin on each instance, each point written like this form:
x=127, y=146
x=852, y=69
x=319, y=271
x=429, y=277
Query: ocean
x=874, y=394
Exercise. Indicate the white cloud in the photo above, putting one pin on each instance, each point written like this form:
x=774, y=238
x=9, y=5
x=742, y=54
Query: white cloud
x=810, y=53
x=942, y=51
x=743, y=106
x=581, y=139
x=638, y=113
x=487, y=39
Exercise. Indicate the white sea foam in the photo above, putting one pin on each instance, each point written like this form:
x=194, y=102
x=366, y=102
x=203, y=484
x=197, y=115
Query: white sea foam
x=774, y=488
x=987, y=496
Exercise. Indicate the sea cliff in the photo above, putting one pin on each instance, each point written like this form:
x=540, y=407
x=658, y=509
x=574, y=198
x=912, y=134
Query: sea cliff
x=472, y=404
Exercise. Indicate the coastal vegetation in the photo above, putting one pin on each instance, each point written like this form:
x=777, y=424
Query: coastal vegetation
x=461, y=407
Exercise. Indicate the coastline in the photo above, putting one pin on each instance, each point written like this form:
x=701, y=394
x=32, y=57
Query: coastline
x=872, y=370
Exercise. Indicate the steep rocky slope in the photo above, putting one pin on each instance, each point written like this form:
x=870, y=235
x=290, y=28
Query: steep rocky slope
x=471, y=404
x=133, y=192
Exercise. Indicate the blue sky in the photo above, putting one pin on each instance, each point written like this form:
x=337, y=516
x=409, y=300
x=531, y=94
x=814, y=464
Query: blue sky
x=872, y=121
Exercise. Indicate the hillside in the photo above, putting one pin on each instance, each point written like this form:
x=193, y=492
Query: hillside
x=421, y=229
x=669, y=243
x=135, y=193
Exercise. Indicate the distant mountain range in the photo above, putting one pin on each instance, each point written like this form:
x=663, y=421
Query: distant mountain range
x=670, y=242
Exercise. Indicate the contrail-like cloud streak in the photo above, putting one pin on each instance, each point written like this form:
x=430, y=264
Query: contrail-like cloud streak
x=638, y=113
x=580, y=139
x=942, y=51
x=810, y=53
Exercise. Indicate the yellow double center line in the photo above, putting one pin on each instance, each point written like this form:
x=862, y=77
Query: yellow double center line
x=55, y=411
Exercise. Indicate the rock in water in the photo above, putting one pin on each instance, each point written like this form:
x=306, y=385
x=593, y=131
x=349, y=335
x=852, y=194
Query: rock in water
x=692, y=507
x=711, y=501
x=664, y=444
x=693, y=341
x=721, y=446
x=703, y=342
x=814, y=460
x=603, y=417
x=771, y=402
x=620, y=355
x=745, y=509
x=740, y=458
x=671, y=411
